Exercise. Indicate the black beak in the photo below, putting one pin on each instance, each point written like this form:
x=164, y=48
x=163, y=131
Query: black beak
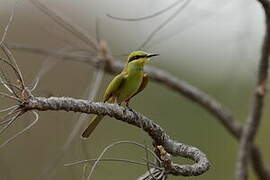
x=152, y=55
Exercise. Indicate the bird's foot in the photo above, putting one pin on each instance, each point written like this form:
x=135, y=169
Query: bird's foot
x=129, y=108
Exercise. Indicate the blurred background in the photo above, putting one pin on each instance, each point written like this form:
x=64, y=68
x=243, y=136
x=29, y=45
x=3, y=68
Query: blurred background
x=213, y=45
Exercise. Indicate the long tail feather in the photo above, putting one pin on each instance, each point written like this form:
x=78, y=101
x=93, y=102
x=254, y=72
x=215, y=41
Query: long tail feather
x=93, y=124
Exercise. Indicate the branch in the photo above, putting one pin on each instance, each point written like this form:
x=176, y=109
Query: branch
x=207, y=102
x=65, y=24
x=160, y=76
x=196, y=95
x=92, y=90
x=251, y=127
x=134, y=118
x=166, y=9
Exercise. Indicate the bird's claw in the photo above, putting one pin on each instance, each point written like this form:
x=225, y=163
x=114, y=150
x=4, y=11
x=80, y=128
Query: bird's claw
x=129, y=108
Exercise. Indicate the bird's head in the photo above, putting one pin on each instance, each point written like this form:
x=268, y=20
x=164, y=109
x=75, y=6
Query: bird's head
x=140, y=57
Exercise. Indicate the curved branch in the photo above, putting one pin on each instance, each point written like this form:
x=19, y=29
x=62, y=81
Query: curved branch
x=65, y=24
x=210, y=104
x=160, y=76
x=113, y=110
x=251, y=127
x=145, y=17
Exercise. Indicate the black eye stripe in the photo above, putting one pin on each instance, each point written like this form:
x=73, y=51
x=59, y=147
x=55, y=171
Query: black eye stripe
x=136, y=57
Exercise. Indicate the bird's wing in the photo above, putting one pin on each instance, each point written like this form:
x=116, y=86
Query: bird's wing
x=114, y=86
x=142, y=86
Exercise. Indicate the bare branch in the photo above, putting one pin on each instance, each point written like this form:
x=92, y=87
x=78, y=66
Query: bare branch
x=159, y=174
x=22, y=131
x=9, y=108
x=8, y=25
x=251, y=127
x=18, y=75
x=160, y=76
x=106, y=159
x=13, y=64
x=4, y=119
x=146, y=17
x=214, y=107
x=109, y=147
x=147, y=163
x=10, y=122
x=64, y=23
x=49, y=52
x=9, y=96
x=156, y=132
x=162, y=25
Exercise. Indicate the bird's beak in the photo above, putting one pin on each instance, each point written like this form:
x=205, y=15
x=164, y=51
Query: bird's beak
x=152, y=55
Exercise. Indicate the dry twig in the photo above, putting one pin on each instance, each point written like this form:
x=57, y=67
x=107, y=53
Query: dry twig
x=148, y=16
x=251, y=127
x=113, y=110
x=64, y=23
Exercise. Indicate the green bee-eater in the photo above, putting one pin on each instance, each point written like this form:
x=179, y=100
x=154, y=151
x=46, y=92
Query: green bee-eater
x=125, y=85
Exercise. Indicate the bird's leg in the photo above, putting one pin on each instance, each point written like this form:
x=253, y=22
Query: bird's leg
x=129, y=108
x=127, y=105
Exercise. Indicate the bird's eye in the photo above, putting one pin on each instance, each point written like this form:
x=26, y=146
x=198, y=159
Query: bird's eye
x=136, y=57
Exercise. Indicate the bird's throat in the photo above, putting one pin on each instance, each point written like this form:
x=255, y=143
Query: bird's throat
x=138, y=68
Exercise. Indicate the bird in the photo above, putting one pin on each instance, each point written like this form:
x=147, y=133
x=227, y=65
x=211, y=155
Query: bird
x=124, y=86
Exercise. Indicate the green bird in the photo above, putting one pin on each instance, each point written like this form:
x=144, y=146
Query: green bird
x=125, y=85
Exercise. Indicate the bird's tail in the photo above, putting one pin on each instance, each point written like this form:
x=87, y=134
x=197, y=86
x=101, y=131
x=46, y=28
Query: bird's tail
x=91, y=127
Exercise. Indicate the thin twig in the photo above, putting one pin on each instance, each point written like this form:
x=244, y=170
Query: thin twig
x=159, y=174
x=12, y=120
x=35, y=83
x=148, y=16
x=162, y=25
x=109, y=147
x=17, y=73
x=22, y=131
x=11, y=112
x=8, y=24
x=65, y=24
x=5, y=119
x=147, y=163
x=107, y=159
x=12, y=85
x=14, y=64
x=10, y=97
x=9, y=108
x=50, y=171
x=6, y=82
x=251, y=127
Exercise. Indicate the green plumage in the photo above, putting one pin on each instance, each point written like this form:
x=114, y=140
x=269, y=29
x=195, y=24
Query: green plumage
x=125, y=85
